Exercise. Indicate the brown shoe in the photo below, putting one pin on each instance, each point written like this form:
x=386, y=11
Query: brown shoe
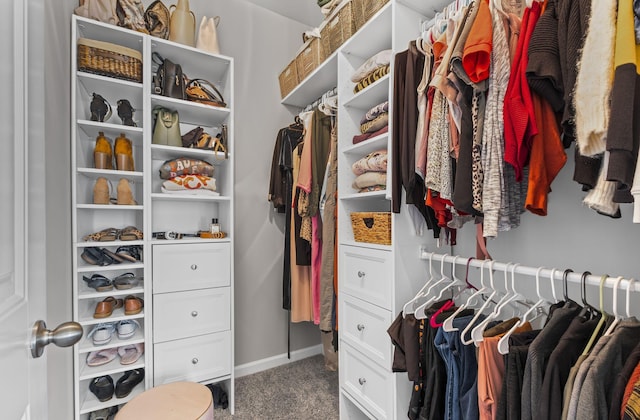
x=125, y=196
x=101, y=191
x=133, y=305
x=103, y=153
x=105, y=308
x=124, y=153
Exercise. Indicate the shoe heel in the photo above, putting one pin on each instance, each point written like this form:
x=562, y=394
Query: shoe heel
x=102, y=160
x=124, y=162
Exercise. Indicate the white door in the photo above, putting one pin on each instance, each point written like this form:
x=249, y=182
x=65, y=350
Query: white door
x=23, y=383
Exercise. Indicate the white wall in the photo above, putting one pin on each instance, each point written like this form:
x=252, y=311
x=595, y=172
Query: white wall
x=262, y=43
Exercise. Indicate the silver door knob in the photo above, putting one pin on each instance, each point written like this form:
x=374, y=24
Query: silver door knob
x=360, y=327
x=65, y=335
x=362, y=381
x=361, y=274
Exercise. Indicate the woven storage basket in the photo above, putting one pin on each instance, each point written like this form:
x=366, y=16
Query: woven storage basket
x=338, y=29
x=288, y=79
x=372, y=227
x=309, y=58
x=109, y=59
x=363, y=10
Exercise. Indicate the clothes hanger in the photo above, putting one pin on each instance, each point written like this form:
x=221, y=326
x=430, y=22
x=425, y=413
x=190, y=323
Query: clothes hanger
x=406, y=310
x=628, y=295
x=565, y=275
x=587, y=310
x=616, y=316
x=552, y=276
x=603, y=318
x=464, y=286
x=466, y=330
x=447, y=325
x=455, y=282
x=503, y=343
x=419, y=312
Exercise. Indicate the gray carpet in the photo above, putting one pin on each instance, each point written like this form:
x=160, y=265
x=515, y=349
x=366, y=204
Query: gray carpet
x=298, y=390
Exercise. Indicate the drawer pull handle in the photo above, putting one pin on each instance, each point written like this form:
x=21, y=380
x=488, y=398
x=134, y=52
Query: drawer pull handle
x=361, y=274
x=360, y=327
x=194, y=314
x=195, y=360
x=194, y=267
x=362, y=381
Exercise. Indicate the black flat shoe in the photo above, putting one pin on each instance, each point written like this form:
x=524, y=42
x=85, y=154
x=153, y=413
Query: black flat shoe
x=99, y=282
x=128, y=381
x=102, y=387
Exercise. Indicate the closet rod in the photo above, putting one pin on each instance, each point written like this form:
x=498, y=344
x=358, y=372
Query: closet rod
x=545, y=273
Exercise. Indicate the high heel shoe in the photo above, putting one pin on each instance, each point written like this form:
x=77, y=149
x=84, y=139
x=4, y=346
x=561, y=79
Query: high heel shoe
x=124, y=153
x=102, y=152
x=101, y=191
x=100, y=109
x=125, y=196
x=125, y=112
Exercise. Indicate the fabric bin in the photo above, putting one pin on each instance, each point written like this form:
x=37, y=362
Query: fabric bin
x=338, y=28
x=363, y=10
x=288, y=78
x=108, y=59
x=309, y=58
x=372, y=227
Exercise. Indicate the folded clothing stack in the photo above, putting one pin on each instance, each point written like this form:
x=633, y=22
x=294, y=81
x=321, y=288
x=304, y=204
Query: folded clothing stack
x=371, y=172
x=371, y=70
x=188, y=176
x=374, y=122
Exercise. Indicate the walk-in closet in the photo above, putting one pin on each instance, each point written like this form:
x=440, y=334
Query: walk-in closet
x=335, y=209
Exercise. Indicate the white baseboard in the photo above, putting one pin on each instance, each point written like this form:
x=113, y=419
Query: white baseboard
x=275, y=361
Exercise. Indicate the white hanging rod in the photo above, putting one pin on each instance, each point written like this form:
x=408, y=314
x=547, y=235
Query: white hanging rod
x=545, y=273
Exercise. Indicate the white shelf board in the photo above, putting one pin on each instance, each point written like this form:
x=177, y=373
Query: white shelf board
x=91, y=403
x=367, y=245
x=162, y=152
x=91, y=129
x=88, y=268
x=86, y=345
x=373, y=37
x=193, y=112
x=370, y=96
x=113, y=367
x=322, y=79
x=93, y=29
x=110, y=174
x=86, y=316
x=111, y=244
x=188, y=241
x=365, y=195
x=370, y=145
x=109, y=207
x=184, y=197
x=87, y=292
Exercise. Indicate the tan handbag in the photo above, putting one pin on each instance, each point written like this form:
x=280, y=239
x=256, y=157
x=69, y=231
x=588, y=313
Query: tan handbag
x=101, y=10
x=208, y=35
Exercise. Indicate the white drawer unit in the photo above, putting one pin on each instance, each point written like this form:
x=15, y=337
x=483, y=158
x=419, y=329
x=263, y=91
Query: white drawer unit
x=193, y=359
x=179, y=267
x=366, y=382
x=364, y=326
x=367, y=274
x=195, y=312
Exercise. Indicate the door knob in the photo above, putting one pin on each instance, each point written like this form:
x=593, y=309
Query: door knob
x=65, y=335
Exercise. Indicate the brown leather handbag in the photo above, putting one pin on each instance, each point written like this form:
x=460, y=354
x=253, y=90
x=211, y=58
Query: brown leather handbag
x=156, y=19
x=203, y=91
x=169, y=79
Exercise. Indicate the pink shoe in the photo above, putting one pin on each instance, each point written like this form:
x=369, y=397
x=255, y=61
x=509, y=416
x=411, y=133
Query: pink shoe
x=130, y=353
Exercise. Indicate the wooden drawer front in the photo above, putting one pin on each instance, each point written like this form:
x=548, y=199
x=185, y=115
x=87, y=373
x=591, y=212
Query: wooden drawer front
x=367, y=383
x=367, y=274
x=365, y=326
x=190, y=266
x=185, y=314
x=192, y=359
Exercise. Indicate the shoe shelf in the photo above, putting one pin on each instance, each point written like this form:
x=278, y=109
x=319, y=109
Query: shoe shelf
x=111, y=368
x=91, y=129
x=109, y=207
x=192, y=112
x=108, y=244
x=190, y=241
x=87, y=268
x=110, y=174
x=86, y=318
x=86, y=345
x=163, y=153
x=89, y=402
x=86, y=292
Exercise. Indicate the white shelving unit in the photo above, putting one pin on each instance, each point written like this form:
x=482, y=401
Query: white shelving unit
x=192, y=341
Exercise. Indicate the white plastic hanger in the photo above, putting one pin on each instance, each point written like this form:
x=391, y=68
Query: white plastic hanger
x=631, y=281
x=552, y=277
x=419, y=312
x=482, y=308
x=447, y=325
x=503, y=343
x=455, y=282
x=408, y=307
x=616, y=316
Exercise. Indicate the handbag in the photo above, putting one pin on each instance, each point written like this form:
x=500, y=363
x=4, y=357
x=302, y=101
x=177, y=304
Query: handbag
x=208, y=35
x=204, y=92
x=197, y=139
x=100, y=10
x=167, y=128
x=169, y=79
x=131, y=15
x=156, y=19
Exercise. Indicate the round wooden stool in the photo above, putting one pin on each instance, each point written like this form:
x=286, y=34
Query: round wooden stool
x=174, y=401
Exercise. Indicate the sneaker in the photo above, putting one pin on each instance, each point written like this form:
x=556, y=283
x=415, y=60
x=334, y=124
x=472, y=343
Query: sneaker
x=126, y=328
x=101, y=333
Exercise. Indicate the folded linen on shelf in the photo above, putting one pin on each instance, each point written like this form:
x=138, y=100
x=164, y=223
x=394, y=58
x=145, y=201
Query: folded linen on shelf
x=366, y=136
x=372, y=188
x=369, y=179
x=373, y=113
x=375, y=75
x=381, y=59
x=190, y=184
x=375, y=125
x=373, y=162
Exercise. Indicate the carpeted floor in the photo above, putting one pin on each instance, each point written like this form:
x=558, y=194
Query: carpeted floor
x=298, y=390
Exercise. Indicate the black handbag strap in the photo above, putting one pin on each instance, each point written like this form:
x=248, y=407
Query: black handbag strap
x=157, y=58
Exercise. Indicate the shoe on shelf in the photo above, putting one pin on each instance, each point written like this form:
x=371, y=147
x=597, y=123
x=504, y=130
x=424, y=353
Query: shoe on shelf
x=125, y=196
x=130, y=233
x=124, y=153
x=101, y=333
x=105, y=308
x=104, y=414
x=97, y=256
x=130, y=353
x=102, y=191
x=102, y=387
x=101, y=357
x=99, y=282
x=133, y=305
x=125, y=112
x=129, y=252
x=126, y=328
x=125, y=281
x=105, y=235
x=102, y=152
x=128, y=381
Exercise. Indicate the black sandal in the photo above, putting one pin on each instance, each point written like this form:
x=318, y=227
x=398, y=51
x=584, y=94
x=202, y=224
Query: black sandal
x=97, y=256
x=99, y=282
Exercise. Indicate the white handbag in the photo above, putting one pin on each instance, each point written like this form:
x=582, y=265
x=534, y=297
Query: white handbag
x=208, y=35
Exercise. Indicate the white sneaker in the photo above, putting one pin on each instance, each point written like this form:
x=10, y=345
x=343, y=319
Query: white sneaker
x=126, y=328
x=101, y=333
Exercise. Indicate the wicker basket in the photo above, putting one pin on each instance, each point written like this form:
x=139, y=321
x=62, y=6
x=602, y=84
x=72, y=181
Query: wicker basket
x=288, y=79
x=363, y=10
x=309, y=58
x=109, y=59
x=338, y=29
x=372, y=227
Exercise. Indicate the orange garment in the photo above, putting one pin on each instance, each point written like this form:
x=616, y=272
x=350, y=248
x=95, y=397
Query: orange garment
x=547, y=156
x=476, y=56
x=633, y=380
x=491, y=374
x=304, y=177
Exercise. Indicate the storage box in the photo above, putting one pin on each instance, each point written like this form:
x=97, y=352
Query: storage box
x=309, y=58
x=372, y=227
x=338, y=28
x=108, y=59
x=288, y=79
x=363, y=10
